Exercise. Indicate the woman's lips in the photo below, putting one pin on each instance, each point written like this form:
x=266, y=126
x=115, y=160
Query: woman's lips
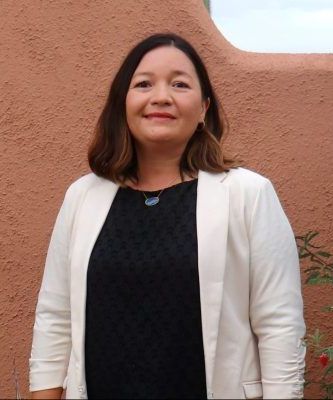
x=160, y=116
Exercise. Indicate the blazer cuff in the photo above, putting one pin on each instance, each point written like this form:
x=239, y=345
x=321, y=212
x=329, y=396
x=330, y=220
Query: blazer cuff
x=46, y=375
x=288, y=390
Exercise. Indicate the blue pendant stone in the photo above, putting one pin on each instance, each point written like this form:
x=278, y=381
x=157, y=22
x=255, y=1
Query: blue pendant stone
x=151, y=201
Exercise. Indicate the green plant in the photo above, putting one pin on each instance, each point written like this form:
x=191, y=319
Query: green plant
x=207, y=4
x=318, y=267
x=16, y=381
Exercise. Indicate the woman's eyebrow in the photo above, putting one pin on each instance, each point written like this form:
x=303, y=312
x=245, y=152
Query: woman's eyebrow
x=173, y=73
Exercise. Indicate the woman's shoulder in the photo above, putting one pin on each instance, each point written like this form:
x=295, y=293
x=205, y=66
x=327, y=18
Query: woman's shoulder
x=85, y=183
x=244, y=185
x=246, y=176
x=86, y=180
x=248, y=184
x=238, y=176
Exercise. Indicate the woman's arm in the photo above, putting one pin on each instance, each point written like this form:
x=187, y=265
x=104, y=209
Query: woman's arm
x=276, y=307
x=51, y=343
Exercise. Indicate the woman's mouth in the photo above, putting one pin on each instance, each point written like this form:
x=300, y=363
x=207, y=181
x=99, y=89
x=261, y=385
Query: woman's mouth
x=160, y=116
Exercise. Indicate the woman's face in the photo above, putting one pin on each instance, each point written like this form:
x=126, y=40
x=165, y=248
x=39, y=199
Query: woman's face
x=164, y=102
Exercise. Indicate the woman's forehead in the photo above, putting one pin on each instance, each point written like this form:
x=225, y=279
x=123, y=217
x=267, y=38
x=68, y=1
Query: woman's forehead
x=165, y=59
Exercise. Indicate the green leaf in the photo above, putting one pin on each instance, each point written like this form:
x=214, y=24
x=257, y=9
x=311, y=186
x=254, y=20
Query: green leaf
x=298, y=237
x=325, y=279
x=313, y=278
x=324, y=254
x=312, y=281
x=316, y=338
x=313, y=246
x=312, y=268
x=301, y=250
x=328, y=351
x=311, y=235
x=319, y=280
x=327, y=308
x=329, y=370
x=316, y=261
x=304, y=255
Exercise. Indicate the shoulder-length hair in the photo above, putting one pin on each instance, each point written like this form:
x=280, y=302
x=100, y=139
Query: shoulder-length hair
x=112, y=152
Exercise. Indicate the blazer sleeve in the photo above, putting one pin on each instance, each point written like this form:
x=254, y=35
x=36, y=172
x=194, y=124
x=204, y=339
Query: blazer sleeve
x=51, y=343
x=276, y=306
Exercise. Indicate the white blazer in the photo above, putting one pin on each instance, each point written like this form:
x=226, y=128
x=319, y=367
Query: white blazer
x=251, y=304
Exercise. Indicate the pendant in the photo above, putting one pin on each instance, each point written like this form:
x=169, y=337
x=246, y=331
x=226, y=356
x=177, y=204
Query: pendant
x=151, y=201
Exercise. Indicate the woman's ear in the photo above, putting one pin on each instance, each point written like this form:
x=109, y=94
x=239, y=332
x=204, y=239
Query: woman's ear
x=207, y=103
x=205, y=106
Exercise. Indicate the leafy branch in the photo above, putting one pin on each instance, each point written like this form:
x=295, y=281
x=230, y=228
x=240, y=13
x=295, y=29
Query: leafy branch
x=320, y=269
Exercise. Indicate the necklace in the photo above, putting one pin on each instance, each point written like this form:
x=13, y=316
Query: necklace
x=152, y=201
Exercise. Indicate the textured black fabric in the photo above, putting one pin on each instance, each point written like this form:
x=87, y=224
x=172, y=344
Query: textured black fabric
x=143, y=319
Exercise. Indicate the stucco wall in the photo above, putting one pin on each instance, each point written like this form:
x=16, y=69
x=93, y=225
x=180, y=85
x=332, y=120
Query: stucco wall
x=57, y=59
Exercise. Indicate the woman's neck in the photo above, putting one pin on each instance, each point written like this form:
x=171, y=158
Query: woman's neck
x=157, y=171
x=154, y=176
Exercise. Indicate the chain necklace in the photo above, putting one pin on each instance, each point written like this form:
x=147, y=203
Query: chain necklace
x=152, y=201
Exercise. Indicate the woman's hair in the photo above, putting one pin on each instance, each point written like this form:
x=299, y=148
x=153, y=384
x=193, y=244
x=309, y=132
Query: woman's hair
x=112, y=152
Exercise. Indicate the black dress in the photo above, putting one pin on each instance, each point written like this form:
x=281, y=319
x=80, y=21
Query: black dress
x=143, y=319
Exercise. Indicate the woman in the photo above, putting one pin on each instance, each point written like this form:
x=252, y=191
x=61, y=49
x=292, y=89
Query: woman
x=170, y=273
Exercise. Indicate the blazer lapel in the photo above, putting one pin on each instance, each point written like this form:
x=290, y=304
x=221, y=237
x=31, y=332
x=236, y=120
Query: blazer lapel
x=212, y=232
x=89, y=221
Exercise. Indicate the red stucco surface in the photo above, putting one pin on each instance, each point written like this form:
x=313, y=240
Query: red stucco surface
x=57, y=59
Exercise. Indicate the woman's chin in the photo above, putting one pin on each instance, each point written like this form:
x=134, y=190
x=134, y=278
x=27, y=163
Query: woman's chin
x=159, y=137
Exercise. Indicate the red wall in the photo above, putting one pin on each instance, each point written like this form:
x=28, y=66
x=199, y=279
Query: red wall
x=57, y=59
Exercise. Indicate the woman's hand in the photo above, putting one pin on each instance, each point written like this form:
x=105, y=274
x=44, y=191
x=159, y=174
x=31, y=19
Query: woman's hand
x=55, y=393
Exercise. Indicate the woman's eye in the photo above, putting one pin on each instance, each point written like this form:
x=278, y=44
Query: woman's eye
x=142, y=84
x=181, y=84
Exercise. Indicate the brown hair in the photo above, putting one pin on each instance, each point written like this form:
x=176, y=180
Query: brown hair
x=112, y=152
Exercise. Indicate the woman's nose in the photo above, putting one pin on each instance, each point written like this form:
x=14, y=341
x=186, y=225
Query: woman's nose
x=161, y=94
